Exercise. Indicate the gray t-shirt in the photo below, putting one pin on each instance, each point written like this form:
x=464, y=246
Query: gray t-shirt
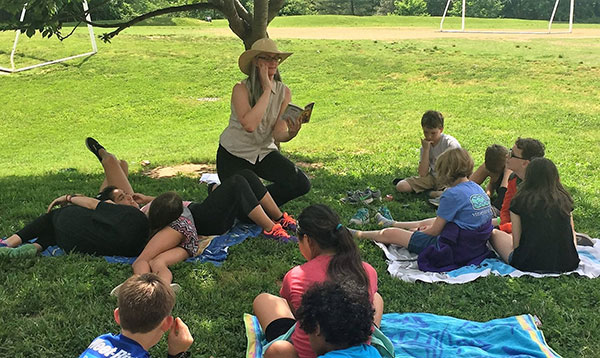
x=446, y=141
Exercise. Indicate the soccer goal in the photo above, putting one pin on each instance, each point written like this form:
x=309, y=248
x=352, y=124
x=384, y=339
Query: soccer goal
x=13, y=68
x=464, y=8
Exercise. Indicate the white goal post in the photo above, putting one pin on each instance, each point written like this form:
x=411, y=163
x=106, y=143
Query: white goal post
x=464, y=8
x=14, y=49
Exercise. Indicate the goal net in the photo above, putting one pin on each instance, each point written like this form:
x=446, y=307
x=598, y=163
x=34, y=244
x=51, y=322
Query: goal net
x=464, y=11
x=14, y=68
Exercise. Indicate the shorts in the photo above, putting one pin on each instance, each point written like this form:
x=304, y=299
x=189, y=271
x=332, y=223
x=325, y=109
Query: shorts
x=278, y=327
x=420, y=184
x=419, y=241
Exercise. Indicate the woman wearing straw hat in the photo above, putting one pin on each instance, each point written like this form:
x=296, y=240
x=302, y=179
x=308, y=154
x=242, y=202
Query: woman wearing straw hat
x=248, y=142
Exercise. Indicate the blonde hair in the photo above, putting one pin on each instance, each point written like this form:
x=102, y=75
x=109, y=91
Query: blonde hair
x=453, y=164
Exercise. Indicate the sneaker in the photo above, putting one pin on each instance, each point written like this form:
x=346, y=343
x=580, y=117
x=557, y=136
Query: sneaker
x=358, y=197
x=287, y=222
x=584, y=239
x=3, y=242
x=361, y=217
x=279, y=234
x=21, y=252
x=94, y=147
x=435, y=201
x=385, y=212
x=375, y=194
x=383, y=221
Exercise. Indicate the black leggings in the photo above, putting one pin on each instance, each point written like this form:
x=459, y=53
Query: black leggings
x=42, y=228
x=288, y=181
x=235, y=198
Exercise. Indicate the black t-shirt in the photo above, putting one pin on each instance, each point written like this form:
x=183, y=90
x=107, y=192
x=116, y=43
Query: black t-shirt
x=111, y=230
x=546, y=243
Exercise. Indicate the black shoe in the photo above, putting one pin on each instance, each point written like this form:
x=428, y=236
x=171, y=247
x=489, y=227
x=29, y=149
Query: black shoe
x=94, y=147
x=396, y=181
x=583, y=239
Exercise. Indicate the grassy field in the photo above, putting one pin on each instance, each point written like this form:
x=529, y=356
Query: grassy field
x=143, y=97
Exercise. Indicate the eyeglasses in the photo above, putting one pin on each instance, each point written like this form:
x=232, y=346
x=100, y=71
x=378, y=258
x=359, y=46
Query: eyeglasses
x=270, y=58
x=512, y=155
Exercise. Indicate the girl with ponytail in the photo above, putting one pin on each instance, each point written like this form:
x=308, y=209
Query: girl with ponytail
x=332, y=255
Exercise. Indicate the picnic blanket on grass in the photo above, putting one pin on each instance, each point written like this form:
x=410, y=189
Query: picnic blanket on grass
x=215, y=251
x=403, y=265
x=429, y=335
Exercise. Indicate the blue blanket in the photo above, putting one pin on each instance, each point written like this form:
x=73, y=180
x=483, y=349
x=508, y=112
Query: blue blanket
x=428, y=335
x=215, y=252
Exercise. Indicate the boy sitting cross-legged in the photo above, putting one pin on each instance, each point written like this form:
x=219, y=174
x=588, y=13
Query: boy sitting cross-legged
x=338, y=318
x=434, y=144
x=144, y=314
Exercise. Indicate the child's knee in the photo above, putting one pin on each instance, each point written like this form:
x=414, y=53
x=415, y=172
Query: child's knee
x=124, y=165
x=403, y=186
x=260, y=299
x=281, y=349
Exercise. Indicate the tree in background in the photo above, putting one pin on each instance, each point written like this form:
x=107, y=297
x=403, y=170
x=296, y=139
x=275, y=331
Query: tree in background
x=347, y=7
x=249, y=23
x=411, y=8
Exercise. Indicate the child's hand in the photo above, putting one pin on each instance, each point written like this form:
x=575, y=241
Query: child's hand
x=180, y=339
x=425, y=144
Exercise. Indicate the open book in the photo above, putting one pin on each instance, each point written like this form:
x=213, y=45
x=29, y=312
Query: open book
x=296, y=113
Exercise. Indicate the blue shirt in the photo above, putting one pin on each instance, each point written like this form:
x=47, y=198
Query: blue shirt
x=360, y=351
x=119, y=346
x=466, y=205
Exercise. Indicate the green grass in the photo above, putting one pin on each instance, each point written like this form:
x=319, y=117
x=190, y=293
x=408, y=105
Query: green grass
x=140, y=97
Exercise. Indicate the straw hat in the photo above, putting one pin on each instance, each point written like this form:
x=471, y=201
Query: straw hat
x=261, y=45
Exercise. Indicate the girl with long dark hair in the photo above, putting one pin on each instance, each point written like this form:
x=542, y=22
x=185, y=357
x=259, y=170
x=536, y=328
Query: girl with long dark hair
x=543, y=236
x=332, y=255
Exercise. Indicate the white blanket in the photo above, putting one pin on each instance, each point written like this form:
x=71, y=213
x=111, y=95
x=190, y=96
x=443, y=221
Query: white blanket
x=403, y=265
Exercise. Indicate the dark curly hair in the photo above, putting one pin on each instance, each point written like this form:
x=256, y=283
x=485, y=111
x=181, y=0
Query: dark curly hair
x=106, y=193
x=341, y=310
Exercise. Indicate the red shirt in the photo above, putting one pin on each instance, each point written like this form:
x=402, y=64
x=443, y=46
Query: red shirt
x=299, y=279
x=511, y=190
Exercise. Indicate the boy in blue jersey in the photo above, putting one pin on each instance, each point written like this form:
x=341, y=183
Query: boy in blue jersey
x=338, y=318
x=144, y=314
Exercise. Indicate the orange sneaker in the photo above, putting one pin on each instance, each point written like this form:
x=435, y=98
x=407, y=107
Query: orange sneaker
x=288, y=222
x=279, y=234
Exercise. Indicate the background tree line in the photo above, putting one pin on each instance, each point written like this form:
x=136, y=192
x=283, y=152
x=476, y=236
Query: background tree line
x=585, y=10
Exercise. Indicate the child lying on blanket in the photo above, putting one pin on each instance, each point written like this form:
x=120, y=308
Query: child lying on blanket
x=332, y=255
x=338, y=319
x=458, y=235
x=175, y=225
x=543, y=237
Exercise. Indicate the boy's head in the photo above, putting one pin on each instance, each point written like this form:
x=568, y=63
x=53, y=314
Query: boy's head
x=336, y=315
x=495, y=158
x=432, y=123
x=524, y=150
x=453, y=164
x=144, y=302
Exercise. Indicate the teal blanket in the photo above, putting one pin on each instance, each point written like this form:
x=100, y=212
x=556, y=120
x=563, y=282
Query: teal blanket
x=428, y=335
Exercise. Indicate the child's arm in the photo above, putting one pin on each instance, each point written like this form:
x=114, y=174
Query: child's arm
x=75, y=199
x=516, y=229
x=179, y=340
x=436, y=227
x=142, y=199
x=424, y=162
x=164, y=240
x=573, y=228
x=480, y=175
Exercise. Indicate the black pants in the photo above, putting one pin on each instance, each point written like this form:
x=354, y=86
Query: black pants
x=42, y=228
x=288, y=181
x=235, y=198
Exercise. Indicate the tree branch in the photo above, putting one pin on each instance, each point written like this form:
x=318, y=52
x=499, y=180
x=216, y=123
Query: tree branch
x=242, y=12
x=123, y=25
x=236, y=23
x=259, y=23
x=274, y=7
